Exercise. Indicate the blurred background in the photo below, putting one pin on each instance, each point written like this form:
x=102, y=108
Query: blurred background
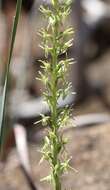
x=90, y=77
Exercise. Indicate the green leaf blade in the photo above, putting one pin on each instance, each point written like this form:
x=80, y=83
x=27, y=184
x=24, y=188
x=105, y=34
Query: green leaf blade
x=4, y=94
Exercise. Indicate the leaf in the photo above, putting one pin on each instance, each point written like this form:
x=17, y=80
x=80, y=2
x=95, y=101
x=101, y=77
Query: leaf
x=53, y=2
x=4, y=95
x=45, y=11
x=47, y=178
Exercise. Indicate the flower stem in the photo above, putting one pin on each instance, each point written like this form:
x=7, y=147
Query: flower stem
x=57, y=183
x=55, y=43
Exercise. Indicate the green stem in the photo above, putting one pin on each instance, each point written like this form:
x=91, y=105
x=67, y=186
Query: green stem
x=56, y=182
x=56, y=177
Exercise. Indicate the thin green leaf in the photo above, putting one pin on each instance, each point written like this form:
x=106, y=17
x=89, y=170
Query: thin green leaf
x=4, y=95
